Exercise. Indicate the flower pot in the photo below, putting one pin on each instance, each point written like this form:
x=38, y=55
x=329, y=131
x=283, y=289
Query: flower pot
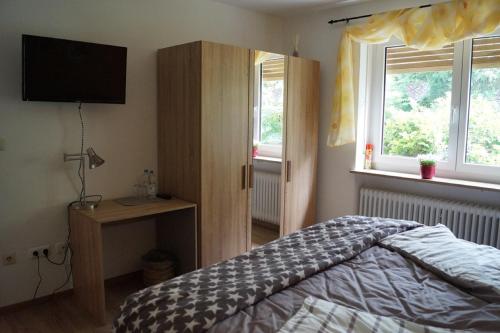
x=427, y=171
x=255, y=151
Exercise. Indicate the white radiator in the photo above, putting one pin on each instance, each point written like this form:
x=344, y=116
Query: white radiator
x=266, y=197
x=468, y=221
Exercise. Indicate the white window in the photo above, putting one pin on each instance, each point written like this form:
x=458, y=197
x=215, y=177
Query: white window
x=268, y=115
x=444, y=103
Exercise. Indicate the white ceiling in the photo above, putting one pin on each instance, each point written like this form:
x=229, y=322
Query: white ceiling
x=284, y=7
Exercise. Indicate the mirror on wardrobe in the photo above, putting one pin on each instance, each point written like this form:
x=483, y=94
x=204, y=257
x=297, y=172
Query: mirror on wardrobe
x=269, y=88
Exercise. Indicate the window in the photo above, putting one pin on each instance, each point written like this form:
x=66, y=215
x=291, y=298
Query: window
x=444, y=103
x=483, y=130
x=417, y=102
x=268, y=118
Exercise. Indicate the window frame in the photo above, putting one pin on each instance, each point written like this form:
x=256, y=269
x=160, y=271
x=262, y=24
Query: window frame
x=488, y=171
x=264, y=150
x=373, y=93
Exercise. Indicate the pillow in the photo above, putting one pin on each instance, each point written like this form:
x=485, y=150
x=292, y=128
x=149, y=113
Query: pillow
x=317, y=315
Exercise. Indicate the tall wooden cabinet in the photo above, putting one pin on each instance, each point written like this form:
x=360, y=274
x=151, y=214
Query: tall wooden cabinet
x=300, y=144
x=204, y=141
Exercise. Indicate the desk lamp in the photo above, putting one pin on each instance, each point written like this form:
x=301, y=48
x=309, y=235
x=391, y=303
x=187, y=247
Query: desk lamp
x=95, y=161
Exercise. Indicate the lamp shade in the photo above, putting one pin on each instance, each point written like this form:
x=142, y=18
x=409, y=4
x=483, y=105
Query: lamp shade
x=94, y=159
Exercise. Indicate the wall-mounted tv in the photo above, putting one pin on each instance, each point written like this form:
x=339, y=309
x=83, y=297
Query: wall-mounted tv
x=62, y=70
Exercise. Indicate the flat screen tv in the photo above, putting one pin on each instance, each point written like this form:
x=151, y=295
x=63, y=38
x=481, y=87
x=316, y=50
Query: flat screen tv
x=62, y=70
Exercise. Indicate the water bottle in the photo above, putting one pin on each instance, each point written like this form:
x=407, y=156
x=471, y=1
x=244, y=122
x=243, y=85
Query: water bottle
x=145, y=183
x=151, y=185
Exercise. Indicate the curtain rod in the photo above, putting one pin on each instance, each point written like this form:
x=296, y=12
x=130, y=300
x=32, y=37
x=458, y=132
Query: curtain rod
x=347, y=19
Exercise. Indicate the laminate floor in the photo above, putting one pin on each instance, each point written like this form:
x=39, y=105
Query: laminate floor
x=262, y=235
x=60, y=314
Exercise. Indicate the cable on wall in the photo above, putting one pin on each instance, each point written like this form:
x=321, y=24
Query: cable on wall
x=69, y=251
x=82, y=141
x=39, y=275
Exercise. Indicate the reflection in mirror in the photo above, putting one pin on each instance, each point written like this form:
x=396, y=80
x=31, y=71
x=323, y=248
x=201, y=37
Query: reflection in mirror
x=267, y=149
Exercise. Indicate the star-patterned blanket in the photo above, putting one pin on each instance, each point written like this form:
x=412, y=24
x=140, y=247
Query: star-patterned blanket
x=195, y=301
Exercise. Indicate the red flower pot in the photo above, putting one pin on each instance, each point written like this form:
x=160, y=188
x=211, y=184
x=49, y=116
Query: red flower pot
x=427, y=171
x=255, y=151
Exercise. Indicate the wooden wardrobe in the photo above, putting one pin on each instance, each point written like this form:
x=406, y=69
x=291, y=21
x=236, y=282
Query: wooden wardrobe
x=300, y=144
x=204, y=141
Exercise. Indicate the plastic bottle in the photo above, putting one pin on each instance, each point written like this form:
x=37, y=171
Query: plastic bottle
x=145, y=183
x=368, y=156
x=151, y=185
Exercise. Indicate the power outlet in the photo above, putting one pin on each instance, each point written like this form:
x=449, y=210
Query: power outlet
x=39, y=249
x=9, y=259
x=60, y=248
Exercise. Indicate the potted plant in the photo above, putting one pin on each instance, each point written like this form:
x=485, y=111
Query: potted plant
x=427, y=168
x=255, y=149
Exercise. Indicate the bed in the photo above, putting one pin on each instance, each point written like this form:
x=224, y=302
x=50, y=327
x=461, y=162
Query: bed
x=370, y=268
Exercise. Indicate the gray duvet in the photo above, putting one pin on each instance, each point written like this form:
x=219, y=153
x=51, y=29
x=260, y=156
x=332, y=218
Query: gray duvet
x=336, y=261
x=380, y=282
x=196, y=301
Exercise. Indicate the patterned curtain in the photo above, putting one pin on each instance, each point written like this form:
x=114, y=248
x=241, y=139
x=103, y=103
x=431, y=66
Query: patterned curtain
x=421, y=28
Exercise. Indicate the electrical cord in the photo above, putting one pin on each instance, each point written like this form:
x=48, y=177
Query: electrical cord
x=39, y=275
x=68, y=275
x=82, y=141
x=95, y=196
x=81, y=165
x=69, y=251
x=53, y=262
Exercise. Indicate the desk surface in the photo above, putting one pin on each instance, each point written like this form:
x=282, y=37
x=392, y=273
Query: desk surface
x=111, y=211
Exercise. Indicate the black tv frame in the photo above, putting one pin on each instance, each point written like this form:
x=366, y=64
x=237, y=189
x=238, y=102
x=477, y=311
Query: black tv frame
x=78, y=100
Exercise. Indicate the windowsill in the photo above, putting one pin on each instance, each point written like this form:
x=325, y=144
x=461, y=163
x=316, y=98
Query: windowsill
x=435, y=180
x=268, y=159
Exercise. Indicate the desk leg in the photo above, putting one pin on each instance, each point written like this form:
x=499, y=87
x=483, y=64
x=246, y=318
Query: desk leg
x=88, y=280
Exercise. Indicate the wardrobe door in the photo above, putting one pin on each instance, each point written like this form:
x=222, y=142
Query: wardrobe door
x=301, y=145
x=179, y=102
x=224, y=149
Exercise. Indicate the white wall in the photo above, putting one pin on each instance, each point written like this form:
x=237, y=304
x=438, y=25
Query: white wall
x=35, y=184
x=337, y=188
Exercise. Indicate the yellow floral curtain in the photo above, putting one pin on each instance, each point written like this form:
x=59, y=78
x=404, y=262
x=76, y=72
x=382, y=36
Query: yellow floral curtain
x=421, y=28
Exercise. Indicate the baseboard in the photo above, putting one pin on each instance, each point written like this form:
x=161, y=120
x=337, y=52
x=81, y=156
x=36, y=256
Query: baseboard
x=114, y=281
x=36, y=301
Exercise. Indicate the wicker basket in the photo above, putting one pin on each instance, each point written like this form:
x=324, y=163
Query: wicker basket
x=158, y=266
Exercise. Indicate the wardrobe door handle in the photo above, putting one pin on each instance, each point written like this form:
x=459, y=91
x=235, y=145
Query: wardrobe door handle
x=250, y=176
x=288, y=171
x=243, y=177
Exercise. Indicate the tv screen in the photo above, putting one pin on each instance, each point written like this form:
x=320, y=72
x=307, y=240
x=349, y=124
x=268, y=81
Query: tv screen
x=62, y=70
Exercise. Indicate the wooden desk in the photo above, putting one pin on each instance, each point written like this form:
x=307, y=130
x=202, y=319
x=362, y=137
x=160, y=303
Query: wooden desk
x=176, y=233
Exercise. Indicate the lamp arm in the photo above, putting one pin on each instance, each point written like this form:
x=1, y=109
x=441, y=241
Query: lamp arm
x=94, y=161
x=74, y=157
